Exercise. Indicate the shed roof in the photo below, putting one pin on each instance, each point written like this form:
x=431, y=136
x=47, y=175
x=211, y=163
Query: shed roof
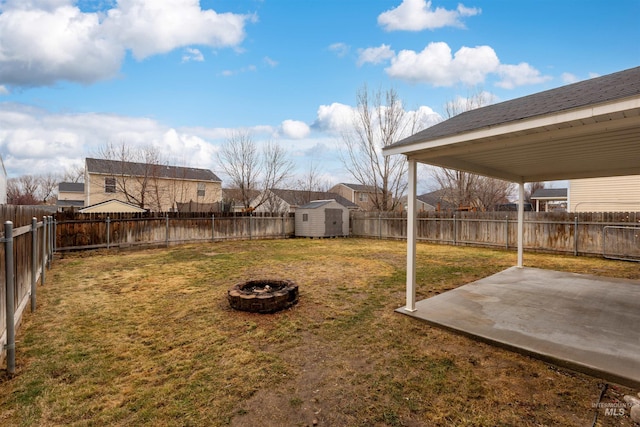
x=116, y=167
x=586, y=129
x=316, y=204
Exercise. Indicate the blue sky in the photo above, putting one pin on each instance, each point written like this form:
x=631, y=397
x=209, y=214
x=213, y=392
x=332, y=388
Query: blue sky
x=182, y=75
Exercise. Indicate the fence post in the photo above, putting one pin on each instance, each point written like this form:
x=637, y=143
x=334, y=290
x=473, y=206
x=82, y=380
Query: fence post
x=10, y=305
x=50, y=237
x=55, y=229
x=213, y=228
x=380, y=225
x=34, y=261
x=108, y=221
x=506, y=232
x=455, y=230
x=250, y=225
x=44, y=248
x=167, y=229
x=575, y=236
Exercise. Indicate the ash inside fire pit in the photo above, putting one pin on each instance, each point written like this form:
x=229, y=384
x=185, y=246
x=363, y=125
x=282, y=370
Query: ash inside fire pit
x=263, y=296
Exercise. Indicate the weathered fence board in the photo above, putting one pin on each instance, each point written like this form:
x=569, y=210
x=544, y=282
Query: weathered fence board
x=563, y=232
x=103, y=231
x=27, y=268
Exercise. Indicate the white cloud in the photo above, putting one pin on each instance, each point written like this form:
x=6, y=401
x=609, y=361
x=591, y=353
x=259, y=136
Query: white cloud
x=341, y=49
x=67, y=45
x=87, y=47
x=519, y=75
x=192, y=54
x=418, y=15
x=37, y=140
x=375, y=55
x=335, y=118
x=436, y=65
x=270, y=62
x=149, y=27
x=4, y=90
x=295, y=129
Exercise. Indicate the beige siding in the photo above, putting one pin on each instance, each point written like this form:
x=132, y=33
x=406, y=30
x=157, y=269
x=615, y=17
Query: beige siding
x=70, y=195
x=610, y=194
x=160, y=196
x=112, y=207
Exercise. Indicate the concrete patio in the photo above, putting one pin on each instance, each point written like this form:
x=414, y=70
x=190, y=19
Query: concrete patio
x=583, y=322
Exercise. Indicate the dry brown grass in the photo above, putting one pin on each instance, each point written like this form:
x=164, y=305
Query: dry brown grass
x=147, y=338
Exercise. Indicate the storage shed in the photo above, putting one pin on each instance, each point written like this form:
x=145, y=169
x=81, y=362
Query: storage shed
x=322, y=218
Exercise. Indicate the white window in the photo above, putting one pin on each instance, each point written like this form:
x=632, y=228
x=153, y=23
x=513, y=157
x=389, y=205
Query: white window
x=110, y=185
x=201, y=188
x=305, y=217
x=363, y=197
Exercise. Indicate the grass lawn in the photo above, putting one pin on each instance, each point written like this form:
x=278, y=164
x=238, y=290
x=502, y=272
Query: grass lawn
x=147, y=338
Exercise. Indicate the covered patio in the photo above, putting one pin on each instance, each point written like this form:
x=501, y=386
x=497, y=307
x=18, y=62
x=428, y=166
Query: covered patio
x=584, y=130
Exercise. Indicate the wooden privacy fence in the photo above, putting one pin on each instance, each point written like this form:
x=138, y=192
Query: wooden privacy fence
x=609, y=234
x=25, y=254
x=92, y=231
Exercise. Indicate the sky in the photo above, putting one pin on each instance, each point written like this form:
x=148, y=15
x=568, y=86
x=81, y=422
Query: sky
x=184, y=75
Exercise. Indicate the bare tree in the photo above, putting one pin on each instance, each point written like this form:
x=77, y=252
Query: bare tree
x=252, y=171
x=137, y=172
x=73, y=174
x=48, y=186
x=32, y=189
x=379, y=121
x=463, y=189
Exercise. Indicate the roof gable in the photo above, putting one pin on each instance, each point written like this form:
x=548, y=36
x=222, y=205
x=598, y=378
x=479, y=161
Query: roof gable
x=115, y=167
x=112, y=205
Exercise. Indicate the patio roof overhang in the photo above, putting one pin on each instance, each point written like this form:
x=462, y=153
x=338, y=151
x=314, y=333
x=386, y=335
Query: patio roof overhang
x=591, y=141
x=584, y=130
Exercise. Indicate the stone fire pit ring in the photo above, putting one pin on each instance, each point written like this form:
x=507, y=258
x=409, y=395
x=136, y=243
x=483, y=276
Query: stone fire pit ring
x=263, y=296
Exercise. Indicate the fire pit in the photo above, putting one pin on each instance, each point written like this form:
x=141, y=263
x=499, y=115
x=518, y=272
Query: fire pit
x=263, y=296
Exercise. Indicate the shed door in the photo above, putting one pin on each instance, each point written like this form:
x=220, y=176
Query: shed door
x=333, y=222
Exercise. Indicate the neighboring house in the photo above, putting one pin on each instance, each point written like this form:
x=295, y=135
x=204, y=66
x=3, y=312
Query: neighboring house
x=361, y=195
x=232, y=200
x=551, y=199
x=158, y=188
x=608, y=194
x=70, y=195
x=3, y=183
x=286, y=201
x=433, y=201
x=112, y=206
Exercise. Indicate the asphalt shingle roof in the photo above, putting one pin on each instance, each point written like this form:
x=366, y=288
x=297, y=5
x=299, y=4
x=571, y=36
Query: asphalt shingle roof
x=77, y=187
x=598, y=90
x=545, y=193
x=115, y=167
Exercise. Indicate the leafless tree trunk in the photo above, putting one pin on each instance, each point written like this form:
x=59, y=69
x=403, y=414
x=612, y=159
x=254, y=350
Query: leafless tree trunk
x=253, y=172
x=379, y=121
